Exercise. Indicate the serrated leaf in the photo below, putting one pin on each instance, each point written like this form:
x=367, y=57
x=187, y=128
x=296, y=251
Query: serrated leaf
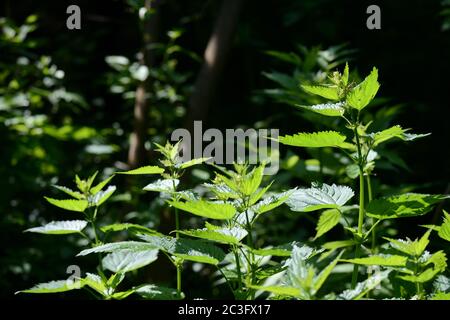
x=60, y=227
x=325, y=92
x=192, y=250
x=352, y=171
x=380, y=260
x=212, y=210
x=360, y=96
x=100, y=185
x=122, y=294
x=252, y=181
x=362, y=288
x=154, y=292
x=271, y=202
x=314, y=140
x=326, y=109
x=54, y=287
x=70, y=192
x=333, y=245
x=279, y=290
x=444, y=229
x=127, y=260
x=101, y=196
x=69, y=204
x=95, y=282
x=122, y=245
x=394, y=132
x=441, y=296
x=224, y=235
x=424, y=276
x=404, y=205
x=345, y=74
x=192, y=162
x=411, y=247
x=125, y=226
x=162, y=185
x=143, y=170
x=327, y=221
x=284, y=250
x=319, y=197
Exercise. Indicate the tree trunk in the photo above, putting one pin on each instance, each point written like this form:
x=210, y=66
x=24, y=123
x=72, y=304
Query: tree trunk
x=137, y=153
x=215, y=57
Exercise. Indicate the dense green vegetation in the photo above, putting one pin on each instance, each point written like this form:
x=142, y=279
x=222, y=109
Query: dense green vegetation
x=111, y=210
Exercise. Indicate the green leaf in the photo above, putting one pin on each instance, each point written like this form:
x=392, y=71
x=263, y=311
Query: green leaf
x=54, y=287
x=424, y=276
x=101, y=196
x=192, y=162
x=444, y=230
x=60, y=227
x=325, y=92
x=218, y=234
x=324, y=274
x=404, y=205
x=315, y=140
x=278, y=251
x=192, y=250
x=362, y=288
x=128, y=260
x=100, y=186
x=122, y=245
x=352, y=171
x=319, y=197
x=95, y=282
x=154, y=292
x=326, y=109
x=252, y=181
x=279, y=290
x=360, y=96
x=69, y=204
x=380, y=260
x=333, y=245
x=125, y=226
x=271, y=202
x=394, y=132
x=411, y=247
x=206, y=209
x=327, y=221
x=70, y=192
x=122, y=294
x=162, y=185
x=441, y=296
x=144, y=170
x=345, y=75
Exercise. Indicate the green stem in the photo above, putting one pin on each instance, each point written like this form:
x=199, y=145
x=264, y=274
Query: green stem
x=238, y=267
x=251, y=244
x=369, y=195
x=95, y=232
x=178, y=264
x=361, y=205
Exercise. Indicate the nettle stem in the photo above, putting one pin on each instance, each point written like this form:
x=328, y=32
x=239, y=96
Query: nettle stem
x=361, y=203
x=251, y=258
x=369, y=198
x=178, y=264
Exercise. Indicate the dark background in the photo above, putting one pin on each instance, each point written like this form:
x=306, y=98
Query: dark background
x=411, y=52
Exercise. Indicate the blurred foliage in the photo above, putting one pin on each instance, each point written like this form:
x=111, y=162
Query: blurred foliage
x=66, y=101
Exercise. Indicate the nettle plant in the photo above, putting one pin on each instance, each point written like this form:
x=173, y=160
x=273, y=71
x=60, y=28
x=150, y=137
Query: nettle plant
x=408, y=259
x=234, y=200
